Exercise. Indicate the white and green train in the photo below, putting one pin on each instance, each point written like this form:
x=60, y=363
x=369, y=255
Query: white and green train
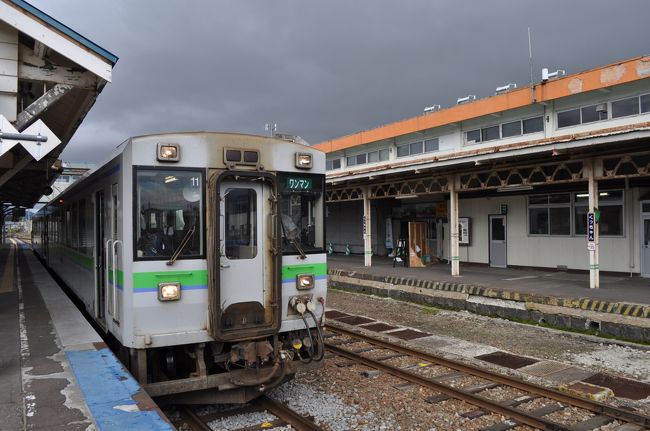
x=203, y=255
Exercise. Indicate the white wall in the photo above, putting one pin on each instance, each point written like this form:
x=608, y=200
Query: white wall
x=616, y=253
x=8, y=70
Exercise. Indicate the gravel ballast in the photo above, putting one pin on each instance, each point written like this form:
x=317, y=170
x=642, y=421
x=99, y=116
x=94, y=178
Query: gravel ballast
x=343, y=395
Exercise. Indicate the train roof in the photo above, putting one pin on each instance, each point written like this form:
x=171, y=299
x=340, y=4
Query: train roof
x=285, y=139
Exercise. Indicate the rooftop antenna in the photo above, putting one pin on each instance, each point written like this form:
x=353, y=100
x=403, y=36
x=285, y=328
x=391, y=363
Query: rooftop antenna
x=530, y=61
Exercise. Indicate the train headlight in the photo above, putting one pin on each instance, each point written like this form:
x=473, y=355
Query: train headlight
x=169, y=291
x=304, y=281
x=168, y=153
x=303, y=161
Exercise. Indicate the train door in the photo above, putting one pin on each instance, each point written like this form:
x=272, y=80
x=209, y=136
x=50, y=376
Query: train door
x=114, y=274
x=244, y=286
x=498, y=241
x=100, y=260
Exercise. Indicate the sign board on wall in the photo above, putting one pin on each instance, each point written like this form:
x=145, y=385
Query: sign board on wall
x=389, y=232
x=463, y=230
x=591, y=227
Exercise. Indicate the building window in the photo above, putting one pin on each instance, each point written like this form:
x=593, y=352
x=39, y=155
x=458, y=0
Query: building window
x=418, y=147
x=490, y=133
x=415, y=148
x=359, y=159
x=472, y=136
x=549, y=214
x=403, y=151
x=610, y=204
x=362, y=159
x=431, y=145
x=625, y=107
x=533, y=125
x=333, y=164
x=594, y=113
x=506, y=130
x=511, y=129
x=378, y=156
x=568, y=118
x=645, y=103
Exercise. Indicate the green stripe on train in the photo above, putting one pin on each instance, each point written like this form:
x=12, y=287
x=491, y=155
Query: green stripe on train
x=81, y=259
x=291, y=271
x=147, y=280
x=120, y=277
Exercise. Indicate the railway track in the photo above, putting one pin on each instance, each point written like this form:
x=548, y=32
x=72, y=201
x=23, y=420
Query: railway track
x=190, y=420
x=378, y=354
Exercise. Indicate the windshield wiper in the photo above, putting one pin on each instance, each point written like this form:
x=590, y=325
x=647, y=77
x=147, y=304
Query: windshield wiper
x=181, y=246
x=296, y=244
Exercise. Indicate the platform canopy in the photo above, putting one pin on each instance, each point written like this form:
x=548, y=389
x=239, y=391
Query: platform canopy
x=50, y=77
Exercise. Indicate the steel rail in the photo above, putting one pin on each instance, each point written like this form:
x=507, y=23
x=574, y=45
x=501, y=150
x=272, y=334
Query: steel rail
x=293, y=418
x=194, y=421
x=553, y=394
x=477, y=400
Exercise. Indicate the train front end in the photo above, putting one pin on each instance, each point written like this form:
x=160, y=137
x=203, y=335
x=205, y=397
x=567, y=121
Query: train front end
x=248, y=228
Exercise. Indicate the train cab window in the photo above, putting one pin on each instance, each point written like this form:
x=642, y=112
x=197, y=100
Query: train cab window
x=302, y=213
x=169, y=209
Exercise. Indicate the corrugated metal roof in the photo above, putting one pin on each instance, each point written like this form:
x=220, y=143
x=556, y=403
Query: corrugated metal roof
x=66, y=30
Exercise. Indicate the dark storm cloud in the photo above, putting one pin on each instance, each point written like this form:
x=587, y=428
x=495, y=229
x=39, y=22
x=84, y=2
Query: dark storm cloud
x=324, y=69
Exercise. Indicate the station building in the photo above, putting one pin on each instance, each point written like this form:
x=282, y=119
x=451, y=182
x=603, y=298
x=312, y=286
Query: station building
x=553, y=175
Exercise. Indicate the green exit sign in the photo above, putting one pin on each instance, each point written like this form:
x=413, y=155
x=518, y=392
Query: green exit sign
x=299, y=183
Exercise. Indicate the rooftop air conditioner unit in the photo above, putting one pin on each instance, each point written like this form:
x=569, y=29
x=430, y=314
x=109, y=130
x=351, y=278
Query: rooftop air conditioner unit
x=546, y=75
x=465, y=99
x=506, y=88
x=432, y=108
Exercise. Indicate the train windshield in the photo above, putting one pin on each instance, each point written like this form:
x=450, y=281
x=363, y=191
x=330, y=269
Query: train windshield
x=168, y=208
x=302, y=213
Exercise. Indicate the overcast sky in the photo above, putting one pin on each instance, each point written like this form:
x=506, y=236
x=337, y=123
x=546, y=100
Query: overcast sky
x=325, y=69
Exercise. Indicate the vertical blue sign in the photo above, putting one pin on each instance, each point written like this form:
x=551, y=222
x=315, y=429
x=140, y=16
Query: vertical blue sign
x=591, y=227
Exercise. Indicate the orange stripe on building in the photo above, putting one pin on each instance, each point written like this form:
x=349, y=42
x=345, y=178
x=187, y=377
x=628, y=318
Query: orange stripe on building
x=602, y=77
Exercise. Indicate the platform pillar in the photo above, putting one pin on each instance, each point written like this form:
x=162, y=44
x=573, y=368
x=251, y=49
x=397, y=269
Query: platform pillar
x=367, y=231
x=453, y=227
x=592, y=243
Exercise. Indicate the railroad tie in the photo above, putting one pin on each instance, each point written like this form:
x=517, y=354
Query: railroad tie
x=593, y=422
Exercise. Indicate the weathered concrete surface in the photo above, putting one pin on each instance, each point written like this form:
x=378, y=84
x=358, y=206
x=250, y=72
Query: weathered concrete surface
x=619, y=319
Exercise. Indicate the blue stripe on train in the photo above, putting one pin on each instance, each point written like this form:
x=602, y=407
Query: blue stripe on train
x=293, y=280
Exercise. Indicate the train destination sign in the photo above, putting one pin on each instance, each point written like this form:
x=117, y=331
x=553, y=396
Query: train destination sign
x=299, y=183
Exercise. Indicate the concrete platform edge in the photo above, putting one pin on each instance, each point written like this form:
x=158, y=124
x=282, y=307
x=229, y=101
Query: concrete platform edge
x=621, y=320
x=100, y=386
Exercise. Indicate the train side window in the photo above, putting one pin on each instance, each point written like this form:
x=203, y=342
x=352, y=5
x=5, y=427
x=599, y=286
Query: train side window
x=241, y=223
x=169, y=207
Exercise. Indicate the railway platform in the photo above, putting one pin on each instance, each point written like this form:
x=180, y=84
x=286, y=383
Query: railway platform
x=55, y=371
x=620, y=308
